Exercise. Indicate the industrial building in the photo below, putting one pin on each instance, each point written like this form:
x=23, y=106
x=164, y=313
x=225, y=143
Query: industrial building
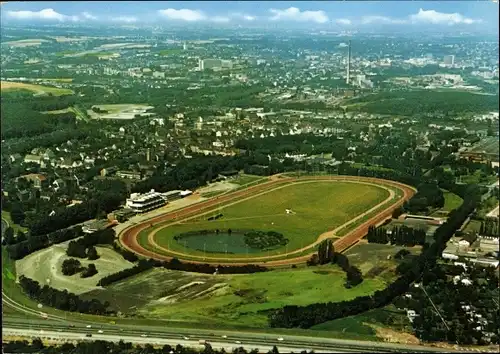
x=141, y=203
x=214, y=64
x=449, y=60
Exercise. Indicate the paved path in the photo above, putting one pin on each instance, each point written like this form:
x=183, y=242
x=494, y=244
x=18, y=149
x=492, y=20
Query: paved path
x=128, y=237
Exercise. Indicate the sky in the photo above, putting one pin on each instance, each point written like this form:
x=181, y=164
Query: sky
x=473, y=15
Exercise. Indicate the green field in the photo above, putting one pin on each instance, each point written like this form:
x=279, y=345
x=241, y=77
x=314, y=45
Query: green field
x=317, y=207
x=478, y=178
x=229, y=299
x=37, y=89
x=451, y=201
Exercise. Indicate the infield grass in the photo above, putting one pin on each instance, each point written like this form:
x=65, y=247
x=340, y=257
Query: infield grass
x=317, y=207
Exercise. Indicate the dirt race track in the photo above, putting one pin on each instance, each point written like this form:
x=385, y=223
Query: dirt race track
x=128, y=237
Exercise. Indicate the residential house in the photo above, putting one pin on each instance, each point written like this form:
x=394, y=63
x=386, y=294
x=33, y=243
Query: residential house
x=33, y=159
x=38, y=180
x=15, y=157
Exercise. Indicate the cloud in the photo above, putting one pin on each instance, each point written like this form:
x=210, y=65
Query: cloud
x=88, y=16
x=440, y=18
x=294, y=14
x=220, y=19
x=183, y=15
x=343, y=21
x=45, y=14
x=368, y=20
x=241, y=16
x=124, y=19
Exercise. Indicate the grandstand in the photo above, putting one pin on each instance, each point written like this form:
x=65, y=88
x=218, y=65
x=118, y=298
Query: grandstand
x=141, y=203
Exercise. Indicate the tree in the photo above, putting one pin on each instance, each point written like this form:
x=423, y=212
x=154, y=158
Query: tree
x=8, y=236
x=20, y=237
x=71, y=266
x=92, y=253
x=90, y=271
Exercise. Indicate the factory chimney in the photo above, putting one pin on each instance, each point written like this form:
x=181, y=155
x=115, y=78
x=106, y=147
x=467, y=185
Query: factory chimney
x=348, y=76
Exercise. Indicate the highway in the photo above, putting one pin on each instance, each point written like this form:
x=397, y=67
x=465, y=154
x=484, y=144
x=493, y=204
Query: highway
x=189, y=337
x=59, y=328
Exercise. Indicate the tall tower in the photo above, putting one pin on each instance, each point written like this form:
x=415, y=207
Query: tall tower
x=348, y=76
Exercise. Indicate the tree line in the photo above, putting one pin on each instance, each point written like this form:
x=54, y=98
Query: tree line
x=308, y=316
x=489, y=227
x=175, y=264
x=412, y=103
x=104, y=347
x=33, y=243
x=401, y=236
x=84, y=247
x=62, y=299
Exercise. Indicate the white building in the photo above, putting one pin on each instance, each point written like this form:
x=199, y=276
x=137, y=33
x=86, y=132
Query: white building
x=141, y=203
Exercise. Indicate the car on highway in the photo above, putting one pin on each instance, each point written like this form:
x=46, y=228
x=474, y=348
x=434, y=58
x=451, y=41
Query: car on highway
x=88, y=335
x=144, y=335
x=88, y=326
x=71, y=325
x=185, y=338
x=100, y=331
x=224, y=336
x=238, y=342
x=280, y=339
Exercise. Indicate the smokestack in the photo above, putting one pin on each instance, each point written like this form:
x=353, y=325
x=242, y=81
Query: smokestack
x=348, y=76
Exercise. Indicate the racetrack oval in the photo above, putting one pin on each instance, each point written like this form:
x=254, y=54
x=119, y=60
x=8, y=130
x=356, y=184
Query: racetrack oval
x=376, y=214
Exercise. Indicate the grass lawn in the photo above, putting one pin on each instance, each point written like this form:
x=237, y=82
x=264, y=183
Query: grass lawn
x=317, y=207
x=230, y=299
x=451, y=201
x=38, y=89
x=477, y=179
x=46, y=264
x=473, y=226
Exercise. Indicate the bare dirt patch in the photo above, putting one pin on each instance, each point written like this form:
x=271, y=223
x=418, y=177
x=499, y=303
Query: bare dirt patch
x=45, y=267
x=392, y=336
x=158, y=286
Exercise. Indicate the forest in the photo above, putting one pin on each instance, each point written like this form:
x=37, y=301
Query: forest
x=410, y=103
x=400, y=236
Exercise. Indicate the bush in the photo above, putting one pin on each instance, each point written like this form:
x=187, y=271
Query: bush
x=90, y=271
x=71, y=266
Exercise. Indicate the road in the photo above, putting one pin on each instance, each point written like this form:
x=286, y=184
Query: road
x=28, y=319
x=128, y=237
x=191, y=337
